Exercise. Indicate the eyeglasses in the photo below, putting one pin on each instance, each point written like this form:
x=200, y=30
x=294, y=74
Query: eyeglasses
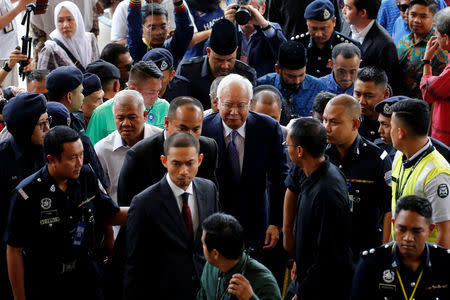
x=403, y=7
x=127, y=67
x=239, y=106
x=44, y=123
x=286, y=145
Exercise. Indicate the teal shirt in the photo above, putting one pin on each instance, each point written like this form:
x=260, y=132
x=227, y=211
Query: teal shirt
x=261, y=279
x=102, y=122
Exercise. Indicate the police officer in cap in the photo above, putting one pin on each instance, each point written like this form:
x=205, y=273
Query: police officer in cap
x=410, y=267
x=194, y=76
x=384, y=108
x=321, y=37
x=56, y=223
x=20, y=156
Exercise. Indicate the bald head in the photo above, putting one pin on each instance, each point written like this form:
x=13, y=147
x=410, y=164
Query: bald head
x=352, y=107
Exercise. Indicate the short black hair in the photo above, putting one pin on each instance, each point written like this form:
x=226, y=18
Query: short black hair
x=55, y=139
x=372, y=73
x=111, y=52
x=153, y=9
x=267, y=88
x=320, y=101
x=181, y=101
x=431, y=4
x=371, y=6
x=442, y=21
x=310, y=134
x=37, y=75
x=224, y=233
x=414, y=114
x=181, y=140
x=143, y=70
x=347, y=50
x=416, y=204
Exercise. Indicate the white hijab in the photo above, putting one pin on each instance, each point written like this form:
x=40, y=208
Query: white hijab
x=80, y=43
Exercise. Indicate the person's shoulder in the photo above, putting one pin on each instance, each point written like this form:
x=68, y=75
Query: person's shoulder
x=379, y=254
x=439, y=254
x=149, y=144
x=268, y=78
x=204, y=183
x=315, y=82
x=5, y=147
x=104, y=107
x=106, y=142
x=382, y=34
x=262, y=119
x=243, y=69
x=369, y=148
x=192, y=63
x=206, y=142
x=209, y=118
x=342, y=38
x=303, y=38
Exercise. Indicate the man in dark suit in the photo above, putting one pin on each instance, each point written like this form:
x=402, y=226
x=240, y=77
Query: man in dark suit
x=378, y=48
x=164, y=250
x=142, y=166
x=251, y=158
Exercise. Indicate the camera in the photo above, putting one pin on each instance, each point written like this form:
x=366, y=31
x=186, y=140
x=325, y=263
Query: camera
x=242, y=15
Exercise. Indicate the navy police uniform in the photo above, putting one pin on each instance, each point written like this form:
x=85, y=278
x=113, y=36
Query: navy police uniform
x=59, y=233
x=317, y=64
x=368, y=129
x=380, y=270
x=367, y=169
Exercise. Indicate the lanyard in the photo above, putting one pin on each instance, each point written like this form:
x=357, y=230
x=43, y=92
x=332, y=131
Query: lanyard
x=401, y=188
x=401, y=282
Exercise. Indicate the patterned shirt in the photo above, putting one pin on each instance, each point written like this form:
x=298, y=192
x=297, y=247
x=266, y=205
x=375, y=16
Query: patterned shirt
x=410, y=55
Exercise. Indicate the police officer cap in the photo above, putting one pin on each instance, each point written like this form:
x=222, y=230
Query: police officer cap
x=91, y=84
x=385, y=107
x=64, y=79
x=292, y=55
x=103, y=69
x=59, y=113
x=161, y=57
x=320, y=10
x=223, y=40
x=22, y=113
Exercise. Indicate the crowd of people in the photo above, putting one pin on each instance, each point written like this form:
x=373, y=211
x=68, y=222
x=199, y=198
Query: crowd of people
x=225, y=149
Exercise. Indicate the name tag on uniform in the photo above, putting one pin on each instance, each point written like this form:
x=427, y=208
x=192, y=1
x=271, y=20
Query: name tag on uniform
x=387, y=287
x=79, y=234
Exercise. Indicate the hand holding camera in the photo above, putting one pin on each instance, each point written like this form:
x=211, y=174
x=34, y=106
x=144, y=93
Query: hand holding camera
x=243, y=13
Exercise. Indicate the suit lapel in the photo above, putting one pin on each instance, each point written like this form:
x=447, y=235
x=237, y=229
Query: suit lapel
x=202, y=206
x=169, y=201
x=368, y=41
x=250, y=139
x=218, y=136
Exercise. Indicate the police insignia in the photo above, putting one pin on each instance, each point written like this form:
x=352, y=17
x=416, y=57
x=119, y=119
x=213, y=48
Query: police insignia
x=388, y=177
x=326, y=14
x=164, y=66
x=46, y=203
x=388, y=276
x=52, y=188
x=387, y=110
x=100, y=186
x=442, y=190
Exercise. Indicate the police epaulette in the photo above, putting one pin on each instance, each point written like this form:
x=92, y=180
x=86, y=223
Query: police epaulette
x=366, y=253
x=299, y=36
x=342, y=38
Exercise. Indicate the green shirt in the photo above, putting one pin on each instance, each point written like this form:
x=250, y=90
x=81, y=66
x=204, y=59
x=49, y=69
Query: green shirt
x=261, y=279
x=102, y=122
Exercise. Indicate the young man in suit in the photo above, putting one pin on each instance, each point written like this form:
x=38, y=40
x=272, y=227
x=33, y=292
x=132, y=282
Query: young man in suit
x=378, y=48
x=251, y=158
x=164, y=249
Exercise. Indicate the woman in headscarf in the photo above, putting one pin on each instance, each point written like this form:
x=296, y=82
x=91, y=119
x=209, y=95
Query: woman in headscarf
x=70, y=45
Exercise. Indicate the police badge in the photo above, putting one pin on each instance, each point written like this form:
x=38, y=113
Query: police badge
x=388, y=276
x=387, y=110
x=46, y=203
x=326, y=14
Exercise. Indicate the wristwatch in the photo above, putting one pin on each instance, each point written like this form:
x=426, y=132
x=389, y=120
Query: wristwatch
x=267, y=27
x=6, y=67
x=426, y=62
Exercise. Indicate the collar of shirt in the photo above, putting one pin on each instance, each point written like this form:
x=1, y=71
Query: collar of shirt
x=227, y=130
x=238, y=268
x=118, y=141
x=328, y=45
x=332, y=151
x=413, y=159
x=336, y=86
x=71, y=183
x=411, y=42
x=177, y=191
x=244, y=36
x=396, y=258
x=360, y=36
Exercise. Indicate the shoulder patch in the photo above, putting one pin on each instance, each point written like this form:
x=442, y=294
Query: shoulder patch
x=388, y=177
x=442, y=190
x=100, y=186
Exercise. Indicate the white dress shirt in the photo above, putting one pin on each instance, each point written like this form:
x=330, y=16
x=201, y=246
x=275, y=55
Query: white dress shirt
x=360, y=36
x=239, y=140
x=192, y=201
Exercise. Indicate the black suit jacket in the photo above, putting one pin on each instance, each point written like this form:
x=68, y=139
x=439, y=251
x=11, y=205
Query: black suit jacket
x=257, y=200
x=378, y=49
x=161, y=261
x=142, y=166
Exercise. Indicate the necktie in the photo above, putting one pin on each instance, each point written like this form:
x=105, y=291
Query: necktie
x=187, y=216
x=233, y=156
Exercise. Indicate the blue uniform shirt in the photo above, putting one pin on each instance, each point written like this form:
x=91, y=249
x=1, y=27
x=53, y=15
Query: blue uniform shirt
x=301, y=101
x=333, y=87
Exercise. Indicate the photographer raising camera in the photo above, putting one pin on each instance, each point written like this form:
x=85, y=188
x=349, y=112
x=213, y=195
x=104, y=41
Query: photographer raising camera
x=258, y=39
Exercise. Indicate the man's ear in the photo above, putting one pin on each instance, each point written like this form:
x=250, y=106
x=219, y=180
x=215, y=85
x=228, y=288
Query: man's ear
x=200, y=159
x=387, y=93
x=356, y=124
x=172, y=73
x=145, y=114
x=431, y=228
x=277, y=68
x=116, y=86
x=208, y=51
x=166, y=123
x=164, y=161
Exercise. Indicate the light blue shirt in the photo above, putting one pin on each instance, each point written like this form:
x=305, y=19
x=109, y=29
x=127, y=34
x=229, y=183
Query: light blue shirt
x=333, y=86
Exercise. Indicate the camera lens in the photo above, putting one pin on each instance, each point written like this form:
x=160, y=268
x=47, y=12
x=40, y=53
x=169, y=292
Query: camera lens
x=242, y=16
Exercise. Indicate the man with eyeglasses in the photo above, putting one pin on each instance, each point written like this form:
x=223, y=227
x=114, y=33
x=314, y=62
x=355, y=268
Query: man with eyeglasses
x=20, y=156
x=251, y=159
